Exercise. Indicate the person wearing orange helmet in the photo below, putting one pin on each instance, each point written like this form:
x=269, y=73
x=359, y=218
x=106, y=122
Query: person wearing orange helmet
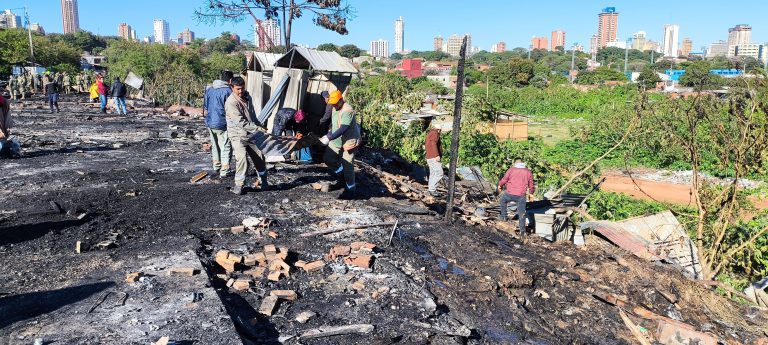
x=342, y=141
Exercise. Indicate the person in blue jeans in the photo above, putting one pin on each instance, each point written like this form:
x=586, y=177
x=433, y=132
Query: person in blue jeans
x=118, y=91
x=519, y=182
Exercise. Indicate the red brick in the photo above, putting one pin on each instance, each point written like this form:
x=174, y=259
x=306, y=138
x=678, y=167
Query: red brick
x=300, y=264
x=260, y=258
x=241, y=284
x=133, y=277
x=249, y=260
x=283, y=253
x=230, y=282
x=363, y=261
x=272, y=234
x=182, y=271
x=268, y=305
x=357, y=246
x=238, y=229
x=229, y=266
x=314, y=266
x=270, y=249
x=235, y=258
x=279, y=265
x=256, y=272
x=274, y=276
x=222, y=254
x=339, y=250
x=288, y=295
x=358, y=285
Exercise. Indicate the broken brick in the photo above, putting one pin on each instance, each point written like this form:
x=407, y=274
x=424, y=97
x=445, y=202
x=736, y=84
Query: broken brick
x=182, y=271
x=222, y=254
x=270, y=249
x=339, y=250
x=268, y=305
x=225, y=263
x=237, y=229
x=314, y=266
x=358, y=285
x=282, y=253
x=235, y=258
x=288, y=295
x=241, y=284
x=256, y=272
x=304, y=316
x=133, y=277
x=230, y=282
x=300, y=264
x=365, y=246
x=249, y=260
x=260, y=257
x=363, y=261
x=272, y=234
x=274, y=276
x=279, y=265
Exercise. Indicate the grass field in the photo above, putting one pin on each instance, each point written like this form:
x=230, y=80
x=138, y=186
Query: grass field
x=553, y=130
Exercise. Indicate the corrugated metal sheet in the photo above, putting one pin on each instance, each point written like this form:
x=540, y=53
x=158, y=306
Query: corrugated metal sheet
x=322, y=61
x=622, y=238
x=266, y=61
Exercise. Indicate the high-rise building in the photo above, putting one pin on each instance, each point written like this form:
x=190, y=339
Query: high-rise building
x=739, y=34
x=639, y=40
x=558, y=39
x=124, y=31
x=753, y=50
x=268, y=34
x=437, y=43
x=687, y=47
x=719, y=48
x=607, y=26
x=10, y=20
x=539, y=43
x=70, y=16
x=593, y=45
x=499, y=47
x=36, y=27
x=670, y=42
x=380, y=48
x=133, y=35
x=399, y=35
x=186, y=37
x=454, y=44
x=162, y=31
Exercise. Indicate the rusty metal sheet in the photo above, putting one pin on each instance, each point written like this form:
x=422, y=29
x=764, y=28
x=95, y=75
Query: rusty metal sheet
x=622, y=238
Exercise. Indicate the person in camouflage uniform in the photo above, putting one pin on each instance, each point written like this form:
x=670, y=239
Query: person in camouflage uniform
x=13, y=87
x=86, y=82
x=67, y=82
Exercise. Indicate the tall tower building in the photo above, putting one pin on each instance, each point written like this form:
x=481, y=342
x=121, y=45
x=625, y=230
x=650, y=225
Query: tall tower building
x=380, y=48
x=607, y=26
x=739, y=34
x=437, y=43
x=70, y=16
x=687, y=47
x=162, y=31
x=453, y=48
x=539, y=43
x=670, y=43
x=124, y=31
x=10, y=20
x=268, y=34
x=593, y=46
x=399, y=35
x=558, y=39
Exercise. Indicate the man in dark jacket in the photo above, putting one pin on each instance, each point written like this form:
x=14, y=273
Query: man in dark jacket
x=118, y=92
x=519, y=182
x=51, y=88
x=433, y=154
x=216, y=95
x=326, y=119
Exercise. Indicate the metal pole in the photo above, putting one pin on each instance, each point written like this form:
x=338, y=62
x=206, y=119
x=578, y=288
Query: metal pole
x=626, y=56
x=652, y=51
x=573, y=61
x=29, y=32
x=456, y=131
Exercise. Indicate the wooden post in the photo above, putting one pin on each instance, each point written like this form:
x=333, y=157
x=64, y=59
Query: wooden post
x=456, y=130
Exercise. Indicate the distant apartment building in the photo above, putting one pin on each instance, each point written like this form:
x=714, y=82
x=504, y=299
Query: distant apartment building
x=670, y=43
x=186, y=37
x=9, y=20
x=687, y=47
x=753, y=50
x=499, y=47
x=539, y=43
x=36, y=27
x=593, y=45
x=437, y=43
x=557, y=39
x=162, y=31
x=399, y=35
x=639, y=40
x=125, y=31
x=454, y=44
x=719, y=48
x=739, y=34
x=607, y=26
x=70, y=16
x=268, y=34
x=380, y=48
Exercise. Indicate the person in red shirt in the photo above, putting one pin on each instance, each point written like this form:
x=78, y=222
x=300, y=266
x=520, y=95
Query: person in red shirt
x=519, y=182
x=433, y=154
x=102, y=90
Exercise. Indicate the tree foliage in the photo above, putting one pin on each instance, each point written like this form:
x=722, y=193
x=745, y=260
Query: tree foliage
x=599, y=76
x=515, y=73
x=328, y=47
x=14, y=49
x=648, y=79
x=328, y=14
x=349, y=51
x=698, y=77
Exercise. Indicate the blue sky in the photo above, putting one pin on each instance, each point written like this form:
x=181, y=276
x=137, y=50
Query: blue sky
x=489, y=21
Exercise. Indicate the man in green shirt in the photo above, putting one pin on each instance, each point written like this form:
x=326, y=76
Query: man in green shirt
x=342, y=140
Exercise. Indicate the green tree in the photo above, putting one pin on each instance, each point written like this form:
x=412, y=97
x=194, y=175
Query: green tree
x=698, y=77
x=328, y=47
x=648, y=79
x=222, y=44
x=349, y=51
x=515, y=73
x=396, y=56
x=600, y=76
x=329, y=14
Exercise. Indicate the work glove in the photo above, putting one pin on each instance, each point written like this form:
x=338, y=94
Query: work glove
x=324, y=140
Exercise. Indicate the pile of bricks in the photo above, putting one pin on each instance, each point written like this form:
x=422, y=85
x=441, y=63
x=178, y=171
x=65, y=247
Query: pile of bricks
x=358, y=254
x=270, y=262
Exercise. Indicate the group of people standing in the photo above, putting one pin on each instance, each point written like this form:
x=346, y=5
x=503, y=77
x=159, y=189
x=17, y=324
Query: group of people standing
x=231, y=121
x=19, y=86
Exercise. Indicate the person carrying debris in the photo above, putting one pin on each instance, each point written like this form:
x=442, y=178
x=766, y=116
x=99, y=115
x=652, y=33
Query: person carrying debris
x=51, y=89
x=342, y=140
x=214, y=99
x=519, y=182
x=118, y=91
x=240, y=125
x=433, y=154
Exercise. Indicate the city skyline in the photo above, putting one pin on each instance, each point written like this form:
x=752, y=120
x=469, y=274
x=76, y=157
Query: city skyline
x=372, y=20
